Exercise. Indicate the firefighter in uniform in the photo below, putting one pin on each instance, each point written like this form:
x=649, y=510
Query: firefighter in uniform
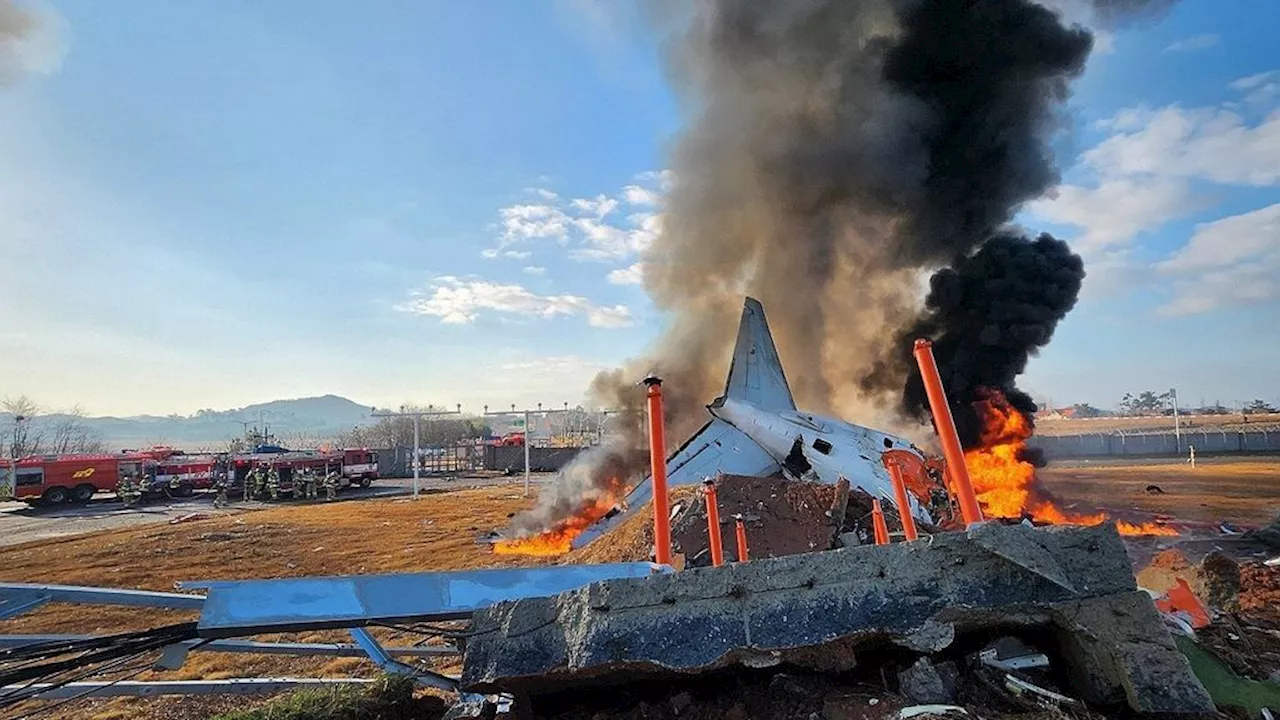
x=127, y=490
x=260, y=484
x=273, y=483
x=309, y=480
x=330, y=485
x=250, y=479
x=220, y=484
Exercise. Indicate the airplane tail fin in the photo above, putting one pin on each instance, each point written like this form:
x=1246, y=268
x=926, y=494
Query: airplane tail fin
x=756, y=373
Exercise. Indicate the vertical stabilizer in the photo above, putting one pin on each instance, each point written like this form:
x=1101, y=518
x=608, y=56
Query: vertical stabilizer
x=756, y=376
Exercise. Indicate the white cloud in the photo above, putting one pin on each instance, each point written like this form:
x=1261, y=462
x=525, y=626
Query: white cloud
x=1197, y=42
x=535, y=270
x=636, y=195
x=1207, y=143
x=543, y=193
x=1260, y=89
x=590, y=228
x=459, y=301
x=527, y=222
x=1251, y=82
x=1116, y=210
x=1231, y=261
x=598, y=207
x=630, y=275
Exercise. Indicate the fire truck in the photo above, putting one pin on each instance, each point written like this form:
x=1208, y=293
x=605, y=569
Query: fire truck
x=55, y=479
x=354, y=466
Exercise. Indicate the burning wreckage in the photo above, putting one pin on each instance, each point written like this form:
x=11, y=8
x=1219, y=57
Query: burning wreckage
x=988, y=613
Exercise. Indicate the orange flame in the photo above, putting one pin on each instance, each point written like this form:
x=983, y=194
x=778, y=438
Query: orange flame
x=1005, y=482
x=559, y=539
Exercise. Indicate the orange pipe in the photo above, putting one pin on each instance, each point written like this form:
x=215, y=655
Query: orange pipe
x=945, y=424
x=713, y=524
x=877, y=521
x=904, y=506
x=741, y=530
x=658, y=464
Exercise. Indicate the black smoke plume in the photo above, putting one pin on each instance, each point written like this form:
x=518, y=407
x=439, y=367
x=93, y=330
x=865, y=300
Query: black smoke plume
x=836, y=152
x=987, y=315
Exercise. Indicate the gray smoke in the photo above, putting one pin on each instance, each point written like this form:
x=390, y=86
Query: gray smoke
x=836, y=153
x=17, y=25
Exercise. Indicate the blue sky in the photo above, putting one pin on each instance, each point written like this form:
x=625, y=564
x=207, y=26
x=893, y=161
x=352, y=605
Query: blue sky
x=210, y=204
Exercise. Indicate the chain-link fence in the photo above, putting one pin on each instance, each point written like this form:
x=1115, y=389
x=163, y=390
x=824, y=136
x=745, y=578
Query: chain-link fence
x=1159, y=443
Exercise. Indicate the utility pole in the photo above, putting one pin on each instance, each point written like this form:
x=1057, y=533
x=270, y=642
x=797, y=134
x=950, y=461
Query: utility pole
x=417, y=416
x=1177, y=427
x=526, y=414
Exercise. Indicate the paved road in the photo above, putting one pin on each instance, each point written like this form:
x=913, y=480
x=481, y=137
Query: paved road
x=20, y=523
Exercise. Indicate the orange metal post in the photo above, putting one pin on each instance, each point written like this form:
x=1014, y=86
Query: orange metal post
x=741, y=530
x=904, y=506
x=946, y=427
x=658, y=464
x=713, y=524
x=877, y=522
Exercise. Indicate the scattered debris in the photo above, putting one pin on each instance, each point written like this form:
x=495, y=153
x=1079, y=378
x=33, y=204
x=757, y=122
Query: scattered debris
x=1155, y=490
x=816, y=611
x=921, y=710
x=188, y=518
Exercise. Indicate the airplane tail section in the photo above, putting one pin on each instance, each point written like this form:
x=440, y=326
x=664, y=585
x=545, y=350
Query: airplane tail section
x=756, y=375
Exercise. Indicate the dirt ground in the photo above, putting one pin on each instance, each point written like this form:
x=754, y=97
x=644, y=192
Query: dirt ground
x=1244, y=493
x=441, y=532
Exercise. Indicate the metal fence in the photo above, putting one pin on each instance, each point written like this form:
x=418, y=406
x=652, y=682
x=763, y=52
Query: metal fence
x=1156, y=444
x=396, y=462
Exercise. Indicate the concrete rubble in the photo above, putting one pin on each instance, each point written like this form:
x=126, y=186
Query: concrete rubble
x=1070, y=587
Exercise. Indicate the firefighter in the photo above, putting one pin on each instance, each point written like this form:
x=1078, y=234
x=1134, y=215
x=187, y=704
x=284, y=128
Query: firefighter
x=260, y=484
x=127, y=490
x=249, y=479
x=220, y=485
x=273, y=483
x=330, y=486
x=310, y=480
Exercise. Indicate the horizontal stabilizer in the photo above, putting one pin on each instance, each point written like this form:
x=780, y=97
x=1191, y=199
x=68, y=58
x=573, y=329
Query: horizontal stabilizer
x=717, y=448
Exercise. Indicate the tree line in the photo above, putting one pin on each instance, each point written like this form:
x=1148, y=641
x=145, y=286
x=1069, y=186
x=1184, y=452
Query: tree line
x=33, y=430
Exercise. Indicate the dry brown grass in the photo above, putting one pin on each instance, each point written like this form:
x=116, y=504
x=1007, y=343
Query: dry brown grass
x=1086, y=426
x=1240, y=492
x=436, y=532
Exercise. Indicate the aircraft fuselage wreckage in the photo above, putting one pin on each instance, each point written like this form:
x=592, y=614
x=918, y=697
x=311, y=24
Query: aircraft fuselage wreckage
x=756, y=430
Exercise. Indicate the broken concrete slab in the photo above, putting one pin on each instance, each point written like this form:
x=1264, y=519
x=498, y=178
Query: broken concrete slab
x=923, y=683
x=816, y=610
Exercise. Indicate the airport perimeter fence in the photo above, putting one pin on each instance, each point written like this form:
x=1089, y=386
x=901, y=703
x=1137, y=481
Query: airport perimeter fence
x=1159, y=444
x=397, y=462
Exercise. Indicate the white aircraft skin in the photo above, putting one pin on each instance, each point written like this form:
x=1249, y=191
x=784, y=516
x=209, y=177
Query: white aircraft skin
x=756, y=430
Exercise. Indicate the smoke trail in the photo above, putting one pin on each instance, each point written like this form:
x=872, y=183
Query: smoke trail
x=835, y=152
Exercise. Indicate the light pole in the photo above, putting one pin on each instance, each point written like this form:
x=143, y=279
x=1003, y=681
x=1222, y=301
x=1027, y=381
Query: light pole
x=526, y=413
x=417, y=416
x=1177, y=425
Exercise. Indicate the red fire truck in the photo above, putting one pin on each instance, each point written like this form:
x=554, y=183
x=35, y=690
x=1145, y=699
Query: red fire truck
x=54, y=479
x=355, y=466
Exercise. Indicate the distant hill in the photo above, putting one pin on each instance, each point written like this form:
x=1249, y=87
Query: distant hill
x=303, y=419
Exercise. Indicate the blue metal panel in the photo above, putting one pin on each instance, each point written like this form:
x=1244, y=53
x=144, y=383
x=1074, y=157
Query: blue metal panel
x=235, y=608
x=14, y=605
x=103, y=596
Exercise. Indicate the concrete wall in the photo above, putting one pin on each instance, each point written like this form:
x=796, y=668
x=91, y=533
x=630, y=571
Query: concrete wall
x=1158, y=444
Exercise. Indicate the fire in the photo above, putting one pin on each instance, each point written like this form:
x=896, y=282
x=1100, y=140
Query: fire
x=1005, y=482
x=559, y=539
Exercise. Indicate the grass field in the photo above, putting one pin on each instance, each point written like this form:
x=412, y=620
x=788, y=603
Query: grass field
x=440, y=532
